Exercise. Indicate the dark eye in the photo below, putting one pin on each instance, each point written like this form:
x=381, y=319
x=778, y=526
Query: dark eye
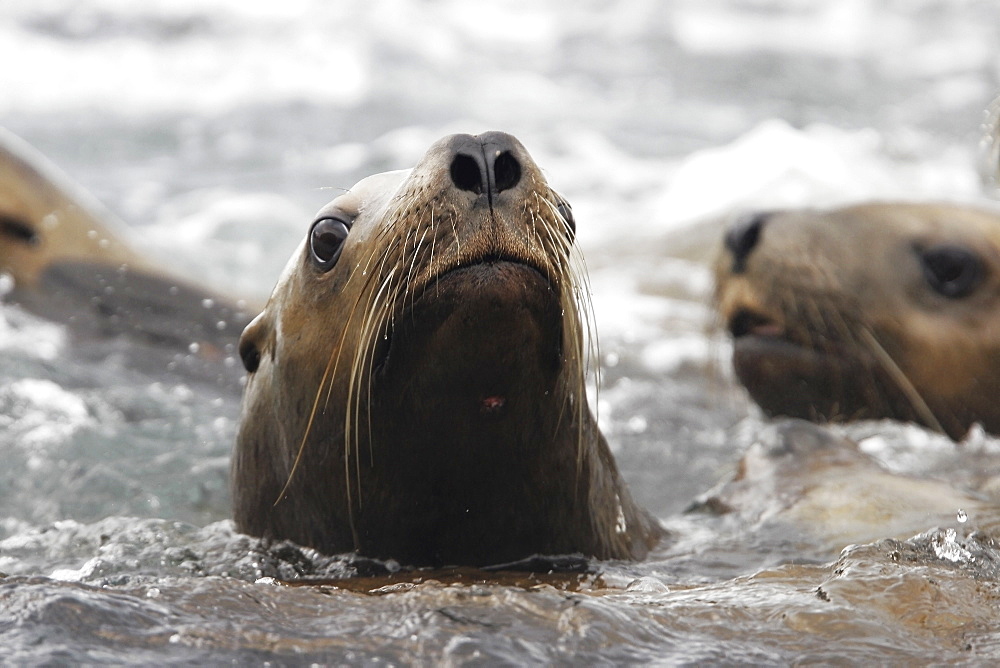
x=566, y=211
x=953, y=271
x=326, y=238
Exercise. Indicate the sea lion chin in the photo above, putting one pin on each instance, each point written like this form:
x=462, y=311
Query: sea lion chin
x=881, y=310
x=501, y=319
x=416, y=381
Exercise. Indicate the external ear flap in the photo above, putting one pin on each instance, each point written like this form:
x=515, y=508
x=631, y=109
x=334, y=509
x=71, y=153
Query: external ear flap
x=252, y=341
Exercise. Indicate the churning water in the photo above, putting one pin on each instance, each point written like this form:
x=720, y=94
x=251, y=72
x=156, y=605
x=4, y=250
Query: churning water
x=216, y=128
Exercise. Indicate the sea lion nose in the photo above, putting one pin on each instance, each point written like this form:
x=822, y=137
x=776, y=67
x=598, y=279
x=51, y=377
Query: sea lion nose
x=743, y=236
x=468, y=172
x=505, y=172
x=485, y=164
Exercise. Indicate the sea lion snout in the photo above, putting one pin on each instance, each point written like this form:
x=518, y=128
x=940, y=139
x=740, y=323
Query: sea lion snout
x=486, y=164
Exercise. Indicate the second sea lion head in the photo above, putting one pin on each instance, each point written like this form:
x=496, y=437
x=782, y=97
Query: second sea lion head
x=884, y=310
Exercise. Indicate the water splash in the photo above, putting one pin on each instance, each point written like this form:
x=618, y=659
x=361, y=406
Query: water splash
x=946, y=546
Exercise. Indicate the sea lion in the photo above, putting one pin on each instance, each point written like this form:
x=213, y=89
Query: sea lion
x=878, y=310
x=64, y=257
x=818, y=492
x=416, y=380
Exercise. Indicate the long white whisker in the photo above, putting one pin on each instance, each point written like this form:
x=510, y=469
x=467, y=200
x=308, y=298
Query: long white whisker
x=904, y=384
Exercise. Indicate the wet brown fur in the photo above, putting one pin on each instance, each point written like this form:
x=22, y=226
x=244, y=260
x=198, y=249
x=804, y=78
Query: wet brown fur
x=352, y=441
x=862, y=335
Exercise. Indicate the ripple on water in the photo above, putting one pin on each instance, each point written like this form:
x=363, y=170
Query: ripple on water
x=105, y=452
x=131, y=588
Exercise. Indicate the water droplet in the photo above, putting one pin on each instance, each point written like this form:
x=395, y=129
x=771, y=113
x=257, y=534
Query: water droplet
x=207, y=303
x=194, y=348
x=648, y=585
x=637, y=424
x=962, y=516
x=7, y=283
x=91, y=234
x=621, y=525
x=221, y=325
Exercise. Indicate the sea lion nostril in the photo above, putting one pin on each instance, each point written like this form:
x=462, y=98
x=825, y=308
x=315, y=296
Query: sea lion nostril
x=466, y=175
x=506, y=171
x=743, y=236
x=18, y=230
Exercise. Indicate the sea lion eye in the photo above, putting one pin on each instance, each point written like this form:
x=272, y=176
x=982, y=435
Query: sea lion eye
x=566, y=211
x=326, y=238
x=952, y=271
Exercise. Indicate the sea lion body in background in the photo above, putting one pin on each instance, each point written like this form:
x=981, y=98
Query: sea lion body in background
x=63, y=257
x=882, y=310
x=416, y=386
x=819, y=491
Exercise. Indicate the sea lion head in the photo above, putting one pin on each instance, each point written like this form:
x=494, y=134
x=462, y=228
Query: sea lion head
x=65, y=257
x=884, y=310
x=45, y=220
x=416, y=381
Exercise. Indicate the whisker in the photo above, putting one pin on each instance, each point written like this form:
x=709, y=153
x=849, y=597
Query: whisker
x=332, y=363
x=433, y=230
x=372, y=326
x=580, y=322
x=308, y=430
x=904, y=384
x=413, y=262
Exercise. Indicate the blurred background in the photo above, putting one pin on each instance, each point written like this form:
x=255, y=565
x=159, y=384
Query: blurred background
x=185, y=112
x=215, y=128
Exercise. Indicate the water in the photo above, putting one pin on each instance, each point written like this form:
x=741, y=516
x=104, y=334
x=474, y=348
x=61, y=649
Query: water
x=215, y=129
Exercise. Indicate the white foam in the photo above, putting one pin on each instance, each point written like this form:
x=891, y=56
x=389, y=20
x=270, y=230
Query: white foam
x=669, y=355
x=42, y=413
x=24, y=334
x=776, y=165
x=844, y=28
x=190, y=56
